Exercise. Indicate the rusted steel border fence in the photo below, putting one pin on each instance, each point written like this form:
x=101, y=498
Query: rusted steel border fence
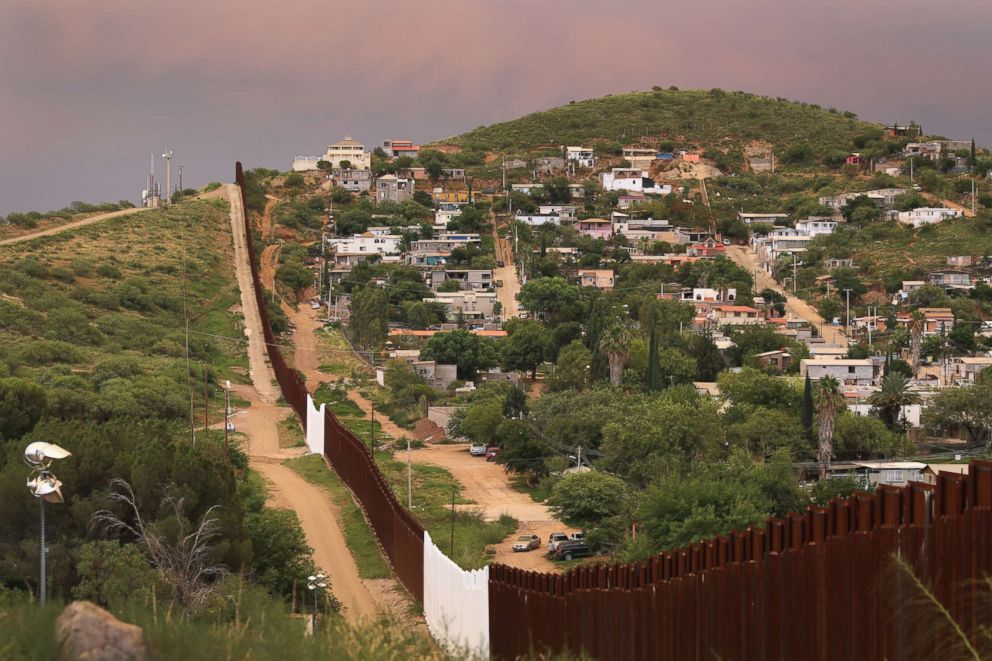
x=399, y=534
x=821, y=585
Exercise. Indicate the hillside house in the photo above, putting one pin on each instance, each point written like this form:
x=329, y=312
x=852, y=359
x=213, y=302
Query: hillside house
x=691, y=235
x=762, y=218
x=967, y=368
x=733, y=315
x=602, y=279
x=469, y=305
x=632, y=180
x=576, y=191
x=546, y=165
x=597, y=228
x=526, y=189
x=397, y=148
x=352, y=250
x=838, y=263
x=780, y=359
x=961, y=261
x=761, y=163
x=350, y=151
x=536, y=220
x=474, y=279
x=891, y=473
x=926, y=216
x=708, y=249
x=515, y=164
x=816, y=226
x=639, y=157
x=628, y=200
x=446, y=241
x=417, y=174
x=705, y=294
x=583, y=157
x=563, y=211
x=951, y=279
x=353, y=181
x=847, y=371
x=390, y=188
x=444, y=216
x=442, y=196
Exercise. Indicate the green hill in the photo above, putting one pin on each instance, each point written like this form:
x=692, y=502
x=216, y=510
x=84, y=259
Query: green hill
x=702, y=118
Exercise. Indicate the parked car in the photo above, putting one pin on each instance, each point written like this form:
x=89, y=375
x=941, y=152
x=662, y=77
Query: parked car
x=526, y=543
x=314, y=305
x=577, y=537
x=492, y=453
x=477, y=449
x=499, y=283
x=569, y=550
x=230, y=426
x=554, y=539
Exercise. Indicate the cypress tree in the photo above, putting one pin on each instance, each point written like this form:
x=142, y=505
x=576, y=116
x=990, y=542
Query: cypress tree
x=652, y=375
x=808, y=406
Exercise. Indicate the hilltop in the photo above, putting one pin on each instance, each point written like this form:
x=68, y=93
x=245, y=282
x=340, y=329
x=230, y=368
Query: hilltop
x=706, y=119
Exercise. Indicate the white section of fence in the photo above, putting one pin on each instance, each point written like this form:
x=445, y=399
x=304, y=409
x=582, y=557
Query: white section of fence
x=456, y=603
x=315, y=427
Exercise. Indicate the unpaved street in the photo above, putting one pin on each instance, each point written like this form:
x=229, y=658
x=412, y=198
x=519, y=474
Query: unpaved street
x=73, y=225
x=318, y=515
x=794, y=307
x=507, y=274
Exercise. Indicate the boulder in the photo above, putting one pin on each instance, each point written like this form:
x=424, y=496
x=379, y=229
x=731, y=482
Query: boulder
x=87, y=632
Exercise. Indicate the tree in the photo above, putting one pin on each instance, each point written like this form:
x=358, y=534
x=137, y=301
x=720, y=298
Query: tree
x=807, y=414
x=586, y=499
x=462, y=348
x=860, y=436
x=369, y=316
x=520, y=451
x=525, y=346
x=22, y=404
x=420, y=315
x=482, y=420
x=753, y=388
x=554, y=297
x=916, y=340
x=615, y=344
x=892, y=397
x=340, y=195
x=572, y=369
x=652, y=376
x=967, y=408
x=829, y=401
x=111, y=574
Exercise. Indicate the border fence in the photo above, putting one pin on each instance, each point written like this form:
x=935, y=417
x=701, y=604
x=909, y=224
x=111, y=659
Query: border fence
x=838, y=582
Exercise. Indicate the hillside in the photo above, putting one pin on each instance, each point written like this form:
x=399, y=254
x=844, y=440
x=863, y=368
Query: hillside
x=703, y=118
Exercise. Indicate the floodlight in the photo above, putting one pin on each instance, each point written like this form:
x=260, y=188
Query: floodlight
x=37, y=452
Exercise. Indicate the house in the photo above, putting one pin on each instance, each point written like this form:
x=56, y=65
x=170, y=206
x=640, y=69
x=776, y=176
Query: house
x=838, y=263
x=417, y=174
x=397, y=148
x=824, y=280
x=761, y=163
x=576, y=191
x=639, y=157
x=884, y=198
x=628, y=200
x=354, y=181
x=730, y=315
x=474, y=279
x=601, y=279
x=705, y=294
x=762, y=218
x=466, y=304
x=780, y=359
x=951, y=279
x=563, y=211
x=926, y=216
x=632, y=180
x=688, y=157
x=526, y=189
x=536, y=220
x=707, y=249
x=348, y=151
x=350, y=251
x=546, y=165
x=441, y=196
x=691, y=235
x=581, y=156
x=930, y=473
x=967, y=368
x=847, y=371
x=816, y=226
x=853, y=159
x=437, y=376
x=892, y=473
x=597, y=228
x=390, y=188
x=446, y=241
x=445, y=215
x=515, y=164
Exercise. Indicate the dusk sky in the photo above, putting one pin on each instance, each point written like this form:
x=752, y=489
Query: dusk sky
x=88, y=90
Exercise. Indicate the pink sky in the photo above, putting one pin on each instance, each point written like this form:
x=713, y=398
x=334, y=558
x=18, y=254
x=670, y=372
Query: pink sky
x=90, y=89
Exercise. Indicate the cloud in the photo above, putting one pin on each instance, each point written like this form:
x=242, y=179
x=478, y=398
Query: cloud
x=90, y=88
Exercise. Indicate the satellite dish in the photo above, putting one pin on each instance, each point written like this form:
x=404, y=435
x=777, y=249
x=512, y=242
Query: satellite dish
x=37, y=452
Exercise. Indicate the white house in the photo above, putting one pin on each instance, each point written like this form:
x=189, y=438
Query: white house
x=847, y=371
x=526, y=189
x=581, y=156
x=563, y=211
x=535, y=220
x=762, y=218
x=632, y=180
x=926, y=216
x=816, y=226
x=368, y=243
x=348, y=150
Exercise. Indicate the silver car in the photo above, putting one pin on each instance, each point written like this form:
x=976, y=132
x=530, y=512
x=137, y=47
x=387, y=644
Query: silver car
x=477, y=449
x=526, y=543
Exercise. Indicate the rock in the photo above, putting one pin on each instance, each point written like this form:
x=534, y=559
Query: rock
x=87, y=632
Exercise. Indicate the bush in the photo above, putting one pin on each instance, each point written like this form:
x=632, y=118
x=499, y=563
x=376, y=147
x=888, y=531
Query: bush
x=46, y=352
x=109, y=271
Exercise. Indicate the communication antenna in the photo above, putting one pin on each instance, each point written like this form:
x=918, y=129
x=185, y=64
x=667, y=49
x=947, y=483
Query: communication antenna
x=168, y=174
x=44, y=486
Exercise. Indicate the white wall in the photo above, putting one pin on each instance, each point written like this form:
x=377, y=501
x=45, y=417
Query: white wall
x=315, y=427
x=456, y=603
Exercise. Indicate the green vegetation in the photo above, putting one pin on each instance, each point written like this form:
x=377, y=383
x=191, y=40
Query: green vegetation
x=724, y=120
x=361, y=542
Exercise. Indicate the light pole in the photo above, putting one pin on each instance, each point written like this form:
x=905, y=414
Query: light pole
x=314, y=582
x=43, y=485
x=227, y=417
x=168, y=175
x=847, y=324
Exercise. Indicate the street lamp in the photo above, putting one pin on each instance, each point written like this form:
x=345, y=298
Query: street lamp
x=313, y=583
x=227, y=417
x=43, y=485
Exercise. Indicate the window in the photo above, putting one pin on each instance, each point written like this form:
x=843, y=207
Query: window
x=850, y=369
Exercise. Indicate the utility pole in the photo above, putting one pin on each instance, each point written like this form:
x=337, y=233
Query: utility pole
x=847, y=325
x=180, y=183
x=871, y=320
x=451, y=552
x=206, y=401
x=227, y=417
x=793, y=273
x=973, y=194
x=409, y=477
x=911, y=180
x=168, y=175
x=372, y=439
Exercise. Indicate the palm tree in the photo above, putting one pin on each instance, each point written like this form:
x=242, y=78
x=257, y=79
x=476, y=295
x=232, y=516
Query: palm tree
x=916, y=341
x=895, y=394
x=615, y=343
x=829, y=401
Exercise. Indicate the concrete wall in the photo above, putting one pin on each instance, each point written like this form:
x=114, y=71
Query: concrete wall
x=456, y=604
x=441, y=415
x=315, y=427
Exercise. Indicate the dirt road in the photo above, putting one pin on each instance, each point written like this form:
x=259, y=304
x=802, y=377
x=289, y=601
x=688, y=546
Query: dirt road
x=73, y=225
x=318, y=515
x=965, y=211
x=794, y=307
x=507, y=294
x=487, y=485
